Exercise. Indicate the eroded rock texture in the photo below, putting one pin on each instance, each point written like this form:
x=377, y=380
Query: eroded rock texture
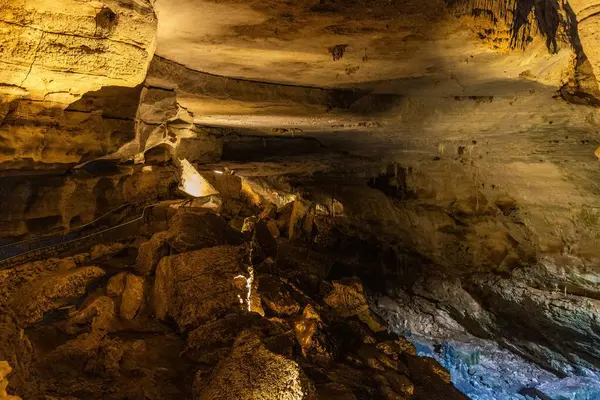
x=252, y=211
x=253, y=329
x=51, y=204
x=68, y=74
x=588, y=27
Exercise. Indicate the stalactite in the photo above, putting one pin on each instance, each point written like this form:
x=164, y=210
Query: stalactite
x=523, y=19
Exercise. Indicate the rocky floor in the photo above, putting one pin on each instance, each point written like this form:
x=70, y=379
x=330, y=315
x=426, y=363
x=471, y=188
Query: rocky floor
x=243, y=303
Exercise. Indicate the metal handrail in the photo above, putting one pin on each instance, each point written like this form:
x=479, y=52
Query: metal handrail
x=79, y=228
x=16, y=259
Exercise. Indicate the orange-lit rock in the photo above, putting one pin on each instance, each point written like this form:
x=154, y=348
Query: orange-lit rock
x=252, y=371
x=150, y=253
x=132, y=297
x=286, y=187
x=197, y=286
x=60, y=52
x=49, y=293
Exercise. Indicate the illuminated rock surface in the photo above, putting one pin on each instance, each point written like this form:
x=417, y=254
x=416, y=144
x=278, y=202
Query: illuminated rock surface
x=239, y=199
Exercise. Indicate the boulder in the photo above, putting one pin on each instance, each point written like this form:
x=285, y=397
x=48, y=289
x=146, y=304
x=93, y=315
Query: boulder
x=51, y=292
x=133, y=296
x=277, y=296
x=296, y=220
x=264, y=244
x=92, y=353
x=312, y=337
x=98, y=315
x=106, y=250
x=116, y=284
x=150, y=253
x=252, y=371
x=211, y=341
x=195, y=287
x=194, y=229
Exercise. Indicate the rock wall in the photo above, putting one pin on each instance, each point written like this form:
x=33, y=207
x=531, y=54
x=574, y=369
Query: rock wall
x=68, y=77
x=56, y=204
x=481, y=116
x=58, y=52
x=588, y=26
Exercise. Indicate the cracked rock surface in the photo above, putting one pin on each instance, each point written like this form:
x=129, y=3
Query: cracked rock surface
x=264, y=199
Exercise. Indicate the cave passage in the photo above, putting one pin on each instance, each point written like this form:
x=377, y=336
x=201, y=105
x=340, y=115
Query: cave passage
x=307, y=200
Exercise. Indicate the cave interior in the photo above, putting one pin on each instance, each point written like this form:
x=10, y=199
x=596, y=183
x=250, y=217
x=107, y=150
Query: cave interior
x=300, y=200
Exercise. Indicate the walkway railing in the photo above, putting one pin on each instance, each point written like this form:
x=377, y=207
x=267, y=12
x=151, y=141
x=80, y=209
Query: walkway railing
x=45, y=247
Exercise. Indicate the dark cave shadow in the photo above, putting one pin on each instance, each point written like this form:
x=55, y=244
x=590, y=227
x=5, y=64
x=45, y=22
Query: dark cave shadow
x=114, y=102
x=546, y=16
x=108, y=112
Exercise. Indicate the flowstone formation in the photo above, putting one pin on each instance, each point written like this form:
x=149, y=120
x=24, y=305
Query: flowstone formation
x=201, y=306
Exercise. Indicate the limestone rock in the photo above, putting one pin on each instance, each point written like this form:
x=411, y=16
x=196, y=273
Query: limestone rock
x=92, y=353
x=263, y=244
x=273, y=228
x=5, y=370
x=347, y=298
x=167, y=131
x=63, y=69
x=586, y=12
x=376, y=359
x=303, y=265
x=196, y=287
x=196, y=229
x=210, y=341
x=18, y=352
x=269, y=212
x=400, y=384
x=150, y=253
x=49, y=293
x=106, y=250
x=43, y=203
x=12, y=279
x=116, y=284
x=133, y=296
x=549, y=311
x=311, y=335
x=335, y=391
x=76, y=48
x=251, y=372
x=426, y=371
x=296, y=220
x=99, y=315
x=394, y=348
x=249, y=226
x=277, y=296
